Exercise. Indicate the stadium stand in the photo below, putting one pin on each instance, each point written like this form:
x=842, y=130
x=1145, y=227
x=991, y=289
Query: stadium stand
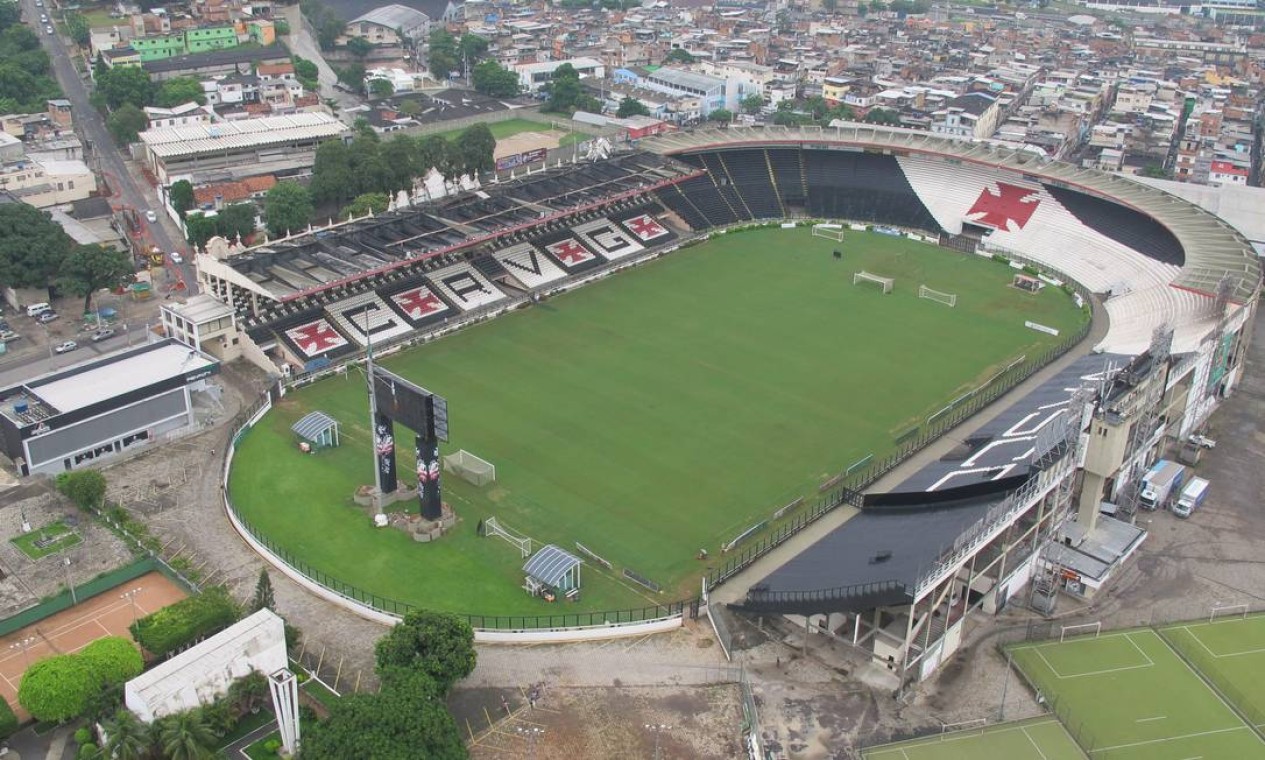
x=463, y=285
x=1124, y=225
x=865, y=188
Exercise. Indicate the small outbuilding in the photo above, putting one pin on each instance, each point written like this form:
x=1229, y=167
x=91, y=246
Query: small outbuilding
x=553, y=571
x=317, y=429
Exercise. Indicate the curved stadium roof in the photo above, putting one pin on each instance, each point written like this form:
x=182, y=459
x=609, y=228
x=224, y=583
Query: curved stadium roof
x=1213, y=248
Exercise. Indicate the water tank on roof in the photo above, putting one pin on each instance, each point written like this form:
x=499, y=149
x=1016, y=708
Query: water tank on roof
x=20, y=407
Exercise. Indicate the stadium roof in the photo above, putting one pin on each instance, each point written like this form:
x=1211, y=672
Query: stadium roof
x=1213, y=248
x=192, y=139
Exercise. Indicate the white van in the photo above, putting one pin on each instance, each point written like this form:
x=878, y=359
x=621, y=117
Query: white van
x=36, y=309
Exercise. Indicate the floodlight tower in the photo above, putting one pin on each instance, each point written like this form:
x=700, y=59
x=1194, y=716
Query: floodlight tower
x=383, y=433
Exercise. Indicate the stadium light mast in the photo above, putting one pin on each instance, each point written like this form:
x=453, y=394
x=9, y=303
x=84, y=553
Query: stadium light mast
x=373, y=413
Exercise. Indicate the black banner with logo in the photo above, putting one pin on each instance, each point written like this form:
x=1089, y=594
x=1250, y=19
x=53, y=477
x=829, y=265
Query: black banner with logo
x=384, y=448
x=428, y=492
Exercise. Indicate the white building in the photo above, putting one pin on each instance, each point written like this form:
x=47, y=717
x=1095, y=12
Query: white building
x=185, y=113
x=47, y=183
x=533, y=76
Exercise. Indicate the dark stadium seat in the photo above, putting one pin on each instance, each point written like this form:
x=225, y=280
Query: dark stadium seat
x=863, y=187
x=751, y=176
x=1123, y=225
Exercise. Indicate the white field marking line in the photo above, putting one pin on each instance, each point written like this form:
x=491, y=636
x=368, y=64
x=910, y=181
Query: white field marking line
x=1196, y=757
x=1142, y=652
x=1208, y=685
x=1060, y=676
x=928, y=741
x=1033, y=742
x=1148, y=720
x=1196, y=637
x=1171, y=739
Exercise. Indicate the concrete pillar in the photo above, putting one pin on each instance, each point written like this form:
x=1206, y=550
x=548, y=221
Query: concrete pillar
x=285, y=701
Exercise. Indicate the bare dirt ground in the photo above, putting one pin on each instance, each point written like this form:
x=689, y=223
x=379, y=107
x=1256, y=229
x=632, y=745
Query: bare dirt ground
x=525, y=141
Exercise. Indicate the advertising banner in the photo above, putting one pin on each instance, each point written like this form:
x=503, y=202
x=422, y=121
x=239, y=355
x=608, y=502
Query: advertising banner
x=384, y=449
x=428, y=491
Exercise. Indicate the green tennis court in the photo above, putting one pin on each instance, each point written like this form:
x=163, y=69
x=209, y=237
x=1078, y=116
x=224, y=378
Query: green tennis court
x=1040, y=739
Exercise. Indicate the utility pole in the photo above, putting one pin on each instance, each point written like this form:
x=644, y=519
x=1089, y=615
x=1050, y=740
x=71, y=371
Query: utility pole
x=130, y=596
x=657, y=729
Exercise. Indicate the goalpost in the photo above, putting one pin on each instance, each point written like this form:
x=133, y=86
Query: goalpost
x=493, y=528
x=948, y=299
x=830, y=231
x=884, y=282
x=1080, y=631
x=1227, y=612
x=470, y=468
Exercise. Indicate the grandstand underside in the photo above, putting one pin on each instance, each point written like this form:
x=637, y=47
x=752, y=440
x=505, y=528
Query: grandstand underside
x=1154, y=260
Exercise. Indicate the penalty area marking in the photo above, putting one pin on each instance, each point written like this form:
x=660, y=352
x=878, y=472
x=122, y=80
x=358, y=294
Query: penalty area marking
x=1200, y=641
x=1170, y=739
x=1148, y=664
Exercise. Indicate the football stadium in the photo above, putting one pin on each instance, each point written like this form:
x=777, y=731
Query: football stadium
x=661, y=364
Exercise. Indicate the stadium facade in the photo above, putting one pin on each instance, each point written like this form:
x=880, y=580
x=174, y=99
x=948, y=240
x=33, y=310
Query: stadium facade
x=1015, y=508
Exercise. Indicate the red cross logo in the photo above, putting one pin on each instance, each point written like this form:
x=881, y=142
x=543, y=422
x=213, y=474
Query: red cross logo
x=316, y=337
x=569, y=252
x=1010, y=203
x=419, y=303
x=645, y=228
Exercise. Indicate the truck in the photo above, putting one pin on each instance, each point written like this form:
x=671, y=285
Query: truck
x=1161, y=482
x=1192, y=497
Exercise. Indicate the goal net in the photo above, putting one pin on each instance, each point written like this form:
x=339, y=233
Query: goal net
x=884, y=282
x=948, y=299
x=470, y=468
x=1227, y=612
x=493, y=528
x=831, y=231
x=1081, y=631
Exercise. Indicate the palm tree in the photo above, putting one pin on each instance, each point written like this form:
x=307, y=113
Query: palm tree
x=127, y=737
x=185, y=736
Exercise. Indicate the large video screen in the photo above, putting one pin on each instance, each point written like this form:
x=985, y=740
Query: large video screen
x=410, y=404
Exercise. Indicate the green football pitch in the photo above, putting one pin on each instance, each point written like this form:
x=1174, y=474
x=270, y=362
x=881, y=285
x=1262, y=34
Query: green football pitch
x=1040, y=739
x=657, y=412
x=1129, y=696
x=1230, y=652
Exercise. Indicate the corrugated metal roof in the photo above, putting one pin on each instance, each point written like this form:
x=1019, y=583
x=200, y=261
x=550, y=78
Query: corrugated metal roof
x=192, y=139
x=1213, y=248
x=550, y=565
x=394, y=17
x=313, y=425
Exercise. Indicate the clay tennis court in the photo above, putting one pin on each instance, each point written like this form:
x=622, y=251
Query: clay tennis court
x=107, y=614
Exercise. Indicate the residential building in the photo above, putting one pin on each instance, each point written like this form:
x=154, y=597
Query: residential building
x=47, y=183
x=186, y=113
x=533, y=76
x=970, y=116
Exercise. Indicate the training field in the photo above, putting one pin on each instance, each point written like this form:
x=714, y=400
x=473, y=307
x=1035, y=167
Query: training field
x=1129, y=696
x=1040, y=739
x=657, y=412
x=1230, y=652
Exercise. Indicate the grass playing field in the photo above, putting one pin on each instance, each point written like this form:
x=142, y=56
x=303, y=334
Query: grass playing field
x=1040, y=739
x=1230, y=652
x=652, y=414
x=1128, y=696
x=510, y=127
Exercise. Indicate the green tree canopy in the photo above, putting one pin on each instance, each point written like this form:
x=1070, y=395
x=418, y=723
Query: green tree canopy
x=473, y=47
x=441, y=54
x=185, y=736
x=678, y=55
x=178, y=91
x=90, y=268
x=381, y=88
x=180, y=194
x=263, y=598
x=236, y=220
x=57, y=688
x=439, y=644
x=172, y=627
x=126, y=123
x=630, y=106
x=399, y=156
x=566, y=94
x=723, y=115
x=477, y=146
x=288, y=208
x=129, y=738
x=366, y=202
x=113, y=659
x=125, y=84
x=78, y=28
x=494, y=80
x=86, y=488
x=331, y=172
x=359, y=47
x=200, y=227
x=32, y=246
x=8, y=721
x=882, y=116
x=353, y=75
x=752, y=103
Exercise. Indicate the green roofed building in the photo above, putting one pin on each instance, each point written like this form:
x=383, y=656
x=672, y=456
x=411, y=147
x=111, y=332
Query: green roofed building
x=199, y=40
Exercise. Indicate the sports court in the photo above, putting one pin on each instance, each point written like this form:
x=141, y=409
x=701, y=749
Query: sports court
x=1040, y=739
x=1229, y=649
x=1128, y=695
x=107, y=614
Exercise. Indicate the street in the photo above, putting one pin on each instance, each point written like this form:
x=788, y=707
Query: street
x=100, y=151
x=302, y=44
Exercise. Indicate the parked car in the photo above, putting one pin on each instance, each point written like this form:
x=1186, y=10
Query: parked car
x=8, y=336
x=1204, y=441
x=43, y=19
x=48, y=30
x=102, y=334
x=176, y=258
x=45, y=317
x=152, y=216
x=65, y=347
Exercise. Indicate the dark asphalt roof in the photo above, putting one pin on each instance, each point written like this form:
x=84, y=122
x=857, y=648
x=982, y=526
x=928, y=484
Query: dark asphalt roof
x=917, y=538
x=232, y=56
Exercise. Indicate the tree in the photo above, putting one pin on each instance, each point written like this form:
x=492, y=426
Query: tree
x=86, y=488
x=8, y=721
x=57, y=688
x=288, y=208
x=248, y=692
x=113, y=659
x=722, y=115
x=178, y=91
x=432, y=153
x=180, y=196
x=200, y=227
x=32, y=246
x=410, y=108
x=126, y=124
x=331, y=172
x=263, y=598
x=399, y=157
x=441, y=53
x=1154, y=171
x=352, y=75
x=306, y=72
x=236, y=220
x=78, y=28
x=882, y=116
x=359, y=47
x=363, y=204
x=406, y=720
x=630, y=106
x=381, y=88
x=368, y=171
x=472, y=47
x=128, y=737
x=439, y=644
x=752, y=103
x=185, y=736
x=477, y=146
x=679, y=55
x=126, y=84
x=90, y=268
x=564, y=90
x=494, y=80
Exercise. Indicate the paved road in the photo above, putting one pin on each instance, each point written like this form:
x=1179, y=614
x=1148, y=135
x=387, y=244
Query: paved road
x=100, y=150
x=304, y=45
